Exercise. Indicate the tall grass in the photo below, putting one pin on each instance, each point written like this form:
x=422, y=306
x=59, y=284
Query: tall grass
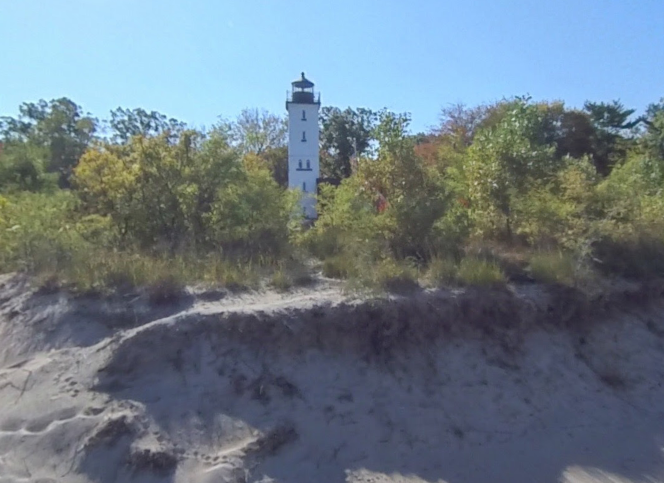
x=442, y=271
x=477, y=271
x=554, y=267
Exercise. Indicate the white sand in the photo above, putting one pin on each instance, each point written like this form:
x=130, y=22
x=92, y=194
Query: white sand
x=254, y=388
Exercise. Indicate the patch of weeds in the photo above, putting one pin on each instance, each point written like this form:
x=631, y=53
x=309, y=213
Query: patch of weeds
x=612, y=379
x=288, y=389
x=280, y=280
x=636, y=257
x=300, y=273
x=395, y=276
x=233, y=275
x=270, y=443
x=166, y=291
x=338, y=266
x=112, y=430
x=478, y=272
x=553, y=267
x=458, y=432
x=158, y=461
x=238, y=382
x=442, y=271
x=48, y=284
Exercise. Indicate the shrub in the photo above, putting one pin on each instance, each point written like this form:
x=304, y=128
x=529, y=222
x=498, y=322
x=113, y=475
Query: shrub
x=38, y=232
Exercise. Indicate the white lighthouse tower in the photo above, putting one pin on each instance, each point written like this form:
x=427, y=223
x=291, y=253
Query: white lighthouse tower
x=303, y=162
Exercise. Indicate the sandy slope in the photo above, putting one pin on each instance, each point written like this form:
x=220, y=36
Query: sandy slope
x=313, y=387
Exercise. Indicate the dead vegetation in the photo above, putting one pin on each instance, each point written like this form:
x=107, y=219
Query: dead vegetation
x=111, y=431
x=612, y=378
x=272, y=441
x=158, y=461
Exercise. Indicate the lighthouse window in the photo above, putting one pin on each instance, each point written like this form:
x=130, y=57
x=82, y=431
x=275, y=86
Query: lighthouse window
x=299, y=164
x=304, y=115
x=304, y=137
x=304, y=186
x=308, y=164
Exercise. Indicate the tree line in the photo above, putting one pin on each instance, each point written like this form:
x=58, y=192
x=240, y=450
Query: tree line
x=573, y=191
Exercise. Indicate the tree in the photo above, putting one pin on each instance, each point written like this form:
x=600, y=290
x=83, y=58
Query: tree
x=126, y=123
x=276, y=161
x=23, y=167
x=389, y=205
x=257, y=130
x=460, y=123
x=344, y=134
x=653, y=139
x=612, y=135
x=576, y=134
x=158, y=192
x=505, y=162
x=59, y=126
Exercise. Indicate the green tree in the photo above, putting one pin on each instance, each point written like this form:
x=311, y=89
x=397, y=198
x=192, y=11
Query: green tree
x=256, y=131
x=503, y=163
x=126, y=123
x=344, y=134
x=158, y=192
x=653, y=138
x=276, y=161
x=459, y=123
x=58, y=126
x=388, y=206
x=23, y=167
x=612, y=137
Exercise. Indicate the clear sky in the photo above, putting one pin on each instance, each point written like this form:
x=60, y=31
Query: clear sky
x=198, y=59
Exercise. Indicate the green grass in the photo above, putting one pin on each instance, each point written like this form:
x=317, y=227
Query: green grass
x=339, y=266
x=280, y=280
x=553, y=267
x=479, y=272
x=639, y=256
x=109, y=271
x=442, y=271
x=393, y=275
x=289, y=274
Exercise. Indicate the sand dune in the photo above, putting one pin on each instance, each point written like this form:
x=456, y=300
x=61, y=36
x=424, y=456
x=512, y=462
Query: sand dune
x=518, y=385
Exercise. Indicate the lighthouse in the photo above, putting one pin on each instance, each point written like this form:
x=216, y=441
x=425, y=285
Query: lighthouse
x=303, y=163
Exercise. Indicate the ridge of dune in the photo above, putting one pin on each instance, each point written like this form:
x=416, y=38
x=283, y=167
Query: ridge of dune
x=526, y=383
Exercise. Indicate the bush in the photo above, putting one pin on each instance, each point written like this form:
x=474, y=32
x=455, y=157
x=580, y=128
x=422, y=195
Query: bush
x=38, y=232
x=253, y=215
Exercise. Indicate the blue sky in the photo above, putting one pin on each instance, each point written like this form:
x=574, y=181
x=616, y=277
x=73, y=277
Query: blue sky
x=198, y=59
